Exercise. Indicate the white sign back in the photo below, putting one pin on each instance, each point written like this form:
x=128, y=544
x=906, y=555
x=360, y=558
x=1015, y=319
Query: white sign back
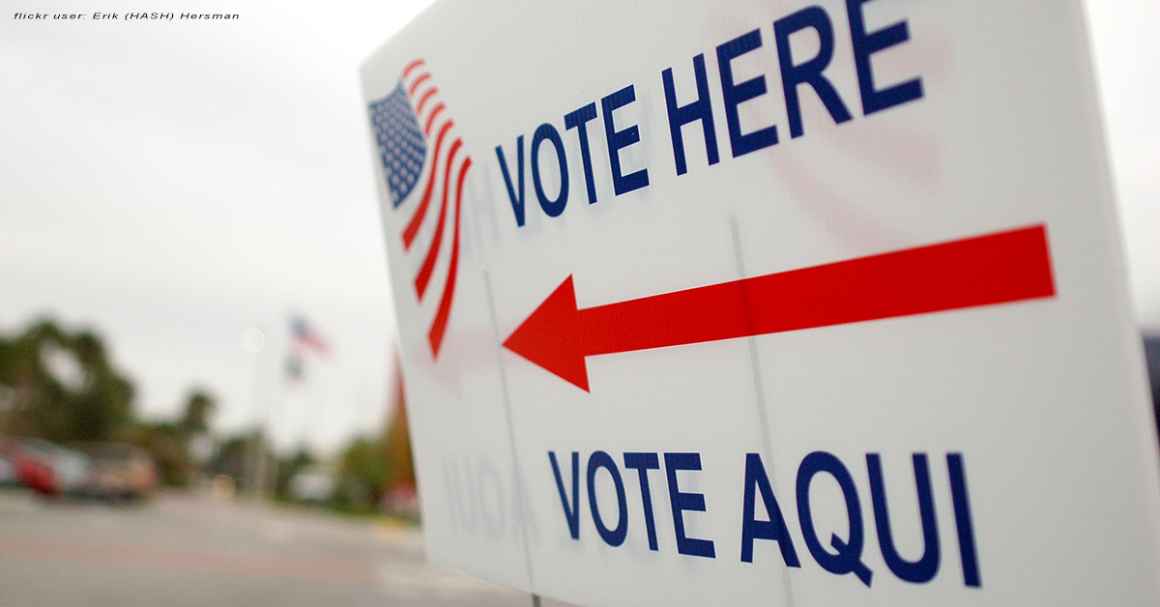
x=790, y=303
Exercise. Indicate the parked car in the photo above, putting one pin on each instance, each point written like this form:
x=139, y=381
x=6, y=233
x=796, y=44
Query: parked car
x=118, y=471
x=7, y=472
x=8, y=476
x=48, y=469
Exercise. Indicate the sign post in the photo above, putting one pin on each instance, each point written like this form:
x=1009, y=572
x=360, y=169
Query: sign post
x=784, y=304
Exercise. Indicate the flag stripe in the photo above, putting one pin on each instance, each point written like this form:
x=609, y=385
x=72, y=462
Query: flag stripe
x=425, y=98
x=431, y=119
x=420, y=95
x=416, y=82
x=439, y=324
x=412, y=66
x=421, y=211
x=424, y=275
x=408, y=157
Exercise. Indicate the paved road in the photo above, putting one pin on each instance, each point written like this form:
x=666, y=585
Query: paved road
x=190, y=550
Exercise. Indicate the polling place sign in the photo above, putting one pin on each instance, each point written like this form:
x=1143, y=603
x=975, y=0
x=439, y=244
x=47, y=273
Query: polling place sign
x=778, y=303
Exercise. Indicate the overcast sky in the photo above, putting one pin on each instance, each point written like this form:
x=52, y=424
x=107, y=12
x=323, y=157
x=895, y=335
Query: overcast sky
x=173, y=184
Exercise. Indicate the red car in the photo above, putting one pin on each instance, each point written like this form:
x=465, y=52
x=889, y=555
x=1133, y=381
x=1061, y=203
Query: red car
x=46, y=468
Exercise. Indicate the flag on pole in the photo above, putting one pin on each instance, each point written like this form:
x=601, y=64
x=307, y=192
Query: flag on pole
x=305, y=338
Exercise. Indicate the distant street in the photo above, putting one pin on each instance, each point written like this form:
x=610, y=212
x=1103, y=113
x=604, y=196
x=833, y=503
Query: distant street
x=198, y=551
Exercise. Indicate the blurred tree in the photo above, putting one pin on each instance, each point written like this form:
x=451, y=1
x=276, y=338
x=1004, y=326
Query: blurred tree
x=288, y=468
x=64, y=386
x=166, y=443
x=239, y=457
x=233, y=456
x=199, y=408
x=169, y=443
x=362, y=475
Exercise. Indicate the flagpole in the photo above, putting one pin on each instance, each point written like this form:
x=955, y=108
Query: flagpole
x=276, y=408
x=253, y=340
x=303, y=338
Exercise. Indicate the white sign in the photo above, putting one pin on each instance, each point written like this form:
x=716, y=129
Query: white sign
x=766, y=303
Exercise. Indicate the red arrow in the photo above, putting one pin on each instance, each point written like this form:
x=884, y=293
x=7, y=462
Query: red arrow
x=993, y=268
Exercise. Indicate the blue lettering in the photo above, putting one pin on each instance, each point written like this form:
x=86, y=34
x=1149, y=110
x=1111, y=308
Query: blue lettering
x=690, y=112
x=615, y=536
x=963, y=525
x=571, y=515
x=808, y=72
x=773, y=529
x=925, y=568
x=642, y=463
x=516, y=201
x=836, y=554
x=681, y=501
x=578, y=119
x=865, y=45
x=617, y=140
x=552, y=207
x=848, y=557
x=734, y=94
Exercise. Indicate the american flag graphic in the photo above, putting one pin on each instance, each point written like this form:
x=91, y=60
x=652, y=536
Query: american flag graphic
x=306, y=338
x=418, y=145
